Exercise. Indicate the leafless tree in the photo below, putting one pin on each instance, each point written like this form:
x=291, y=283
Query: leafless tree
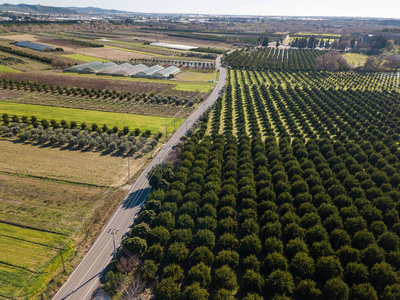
x=331, y=61
x=126, y=264
x=134, y=289
x=392, y=62
x=374, y=64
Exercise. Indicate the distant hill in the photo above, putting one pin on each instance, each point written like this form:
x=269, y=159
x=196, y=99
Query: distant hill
x=37, y=9
x=99, y=11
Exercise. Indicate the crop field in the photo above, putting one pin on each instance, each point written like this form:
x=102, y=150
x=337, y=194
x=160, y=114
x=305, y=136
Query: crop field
x=145, y=48
x=30, y=256
x=135, y=51
x=152, y=123
x=85, y=58
x=150, y=108
x=37, y=216
x=273, y=59
x=11, y=64
x=338, y=80
x=290, y=188
x=45, y=196
x=110, y=53
x=27, y=258
x=91, y=82
x=5, y=69
x=45, y=204
x=197, y=76
x=95, y=169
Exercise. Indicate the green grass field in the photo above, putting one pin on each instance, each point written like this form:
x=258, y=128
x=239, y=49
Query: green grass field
x=152, y=123
x=196, y=76
x=186, y=86
x=85, y=58
x=355, y=59
x=135, y=51
x=332, y=35
x=5, y=69
x=27, y=258
x=138, y=45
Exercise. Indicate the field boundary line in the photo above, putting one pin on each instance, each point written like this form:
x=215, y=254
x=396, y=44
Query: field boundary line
x=29, y=242
x=17, y=267
x=53, y=179
x=33, y=228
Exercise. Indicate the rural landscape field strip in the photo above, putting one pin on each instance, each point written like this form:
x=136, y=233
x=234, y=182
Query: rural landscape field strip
x=186, y=86
x=38, y=216
x=85, y=58
x=152, y=123
x=26, y=256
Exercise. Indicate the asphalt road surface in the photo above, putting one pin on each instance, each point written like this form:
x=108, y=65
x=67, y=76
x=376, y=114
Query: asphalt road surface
x=86, y=277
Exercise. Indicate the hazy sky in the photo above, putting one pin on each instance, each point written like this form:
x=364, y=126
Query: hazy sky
x=363, y=8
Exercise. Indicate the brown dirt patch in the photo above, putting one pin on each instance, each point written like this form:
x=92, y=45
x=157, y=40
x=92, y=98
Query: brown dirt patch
x=20, y=37
x=109, y=53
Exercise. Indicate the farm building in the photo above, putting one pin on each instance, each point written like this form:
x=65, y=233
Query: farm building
x=150, y=71
x=167, y=72
x=91, y=67
x=34, y=46
x=138, y=68
x=124, y=69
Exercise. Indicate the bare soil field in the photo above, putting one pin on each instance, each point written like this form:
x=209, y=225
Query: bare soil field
x=65, y=164
x=44, y=204
x=109, y=53
x=20, y=37
x=59, y=43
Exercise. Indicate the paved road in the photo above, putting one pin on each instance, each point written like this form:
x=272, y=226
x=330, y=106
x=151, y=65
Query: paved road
x=85, y=279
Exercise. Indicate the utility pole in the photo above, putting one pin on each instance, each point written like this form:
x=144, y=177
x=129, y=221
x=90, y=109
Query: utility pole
x=62, y=259
x=129, y=170
x=113, y=232
x=86, y=228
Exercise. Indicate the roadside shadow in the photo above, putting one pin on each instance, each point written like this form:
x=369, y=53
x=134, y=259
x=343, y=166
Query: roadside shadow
x=136, y=198
x=83, y=285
